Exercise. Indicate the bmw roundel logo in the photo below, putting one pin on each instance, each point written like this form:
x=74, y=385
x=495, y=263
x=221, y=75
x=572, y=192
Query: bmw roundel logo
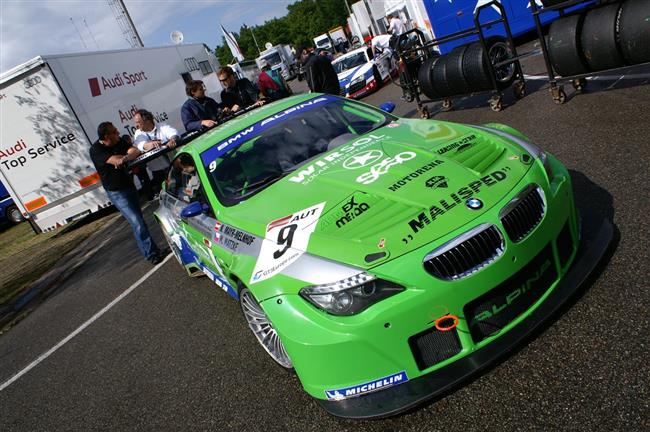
x=474, y=203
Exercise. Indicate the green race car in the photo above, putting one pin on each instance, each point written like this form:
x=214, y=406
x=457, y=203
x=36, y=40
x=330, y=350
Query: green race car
x=384, y=259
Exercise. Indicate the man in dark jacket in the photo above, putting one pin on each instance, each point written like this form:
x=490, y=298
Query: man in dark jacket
x=238, y=93
x=321, y=76
x=199, y=111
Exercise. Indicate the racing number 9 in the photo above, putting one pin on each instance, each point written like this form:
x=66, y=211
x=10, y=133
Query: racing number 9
x=285, y=238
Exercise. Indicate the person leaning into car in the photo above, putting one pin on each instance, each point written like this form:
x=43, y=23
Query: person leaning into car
x=110, y=155
x=199, y=111
x=237, y=93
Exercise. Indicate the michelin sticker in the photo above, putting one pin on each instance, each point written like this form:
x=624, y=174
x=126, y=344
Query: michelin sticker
x=285, y=241
x=368, y=387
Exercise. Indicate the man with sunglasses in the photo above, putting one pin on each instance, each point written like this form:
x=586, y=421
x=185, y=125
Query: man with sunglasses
x=199, y=111
x=237, y=93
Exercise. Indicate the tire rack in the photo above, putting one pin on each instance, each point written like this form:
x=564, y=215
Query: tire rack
x=578, y=81
x=423, y=51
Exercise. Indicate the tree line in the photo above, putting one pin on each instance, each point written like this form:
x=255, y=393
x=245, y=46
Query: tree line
x=305, y=20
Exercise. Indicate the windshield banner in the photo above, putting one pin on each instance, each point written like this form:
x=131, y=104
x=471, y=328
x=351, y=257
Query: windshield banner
x=249, y=132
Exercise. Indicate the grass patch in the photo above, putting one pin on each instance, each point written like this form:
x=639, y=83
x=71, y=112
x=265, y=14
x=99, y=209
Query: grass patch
x=25, y=256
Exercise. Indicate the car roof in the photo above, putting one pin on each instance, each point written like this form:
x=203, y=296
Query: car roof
x=231, y=127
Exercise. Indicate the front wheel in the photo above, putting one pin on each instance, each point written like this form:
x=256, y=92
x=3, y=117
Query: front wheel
x=14, y=215
x=263, y=330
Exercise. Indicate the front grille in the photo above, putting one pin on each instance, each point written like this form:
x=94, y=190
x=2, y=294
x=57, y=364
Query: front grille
x=357, y=86
x=433, y=346
x=498, y=307
x=521, y=215
x=466, y=254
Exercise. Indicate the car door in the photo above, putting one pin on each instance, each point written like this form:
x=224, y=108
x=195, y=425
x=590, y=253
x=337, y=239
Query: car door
x=198, y=229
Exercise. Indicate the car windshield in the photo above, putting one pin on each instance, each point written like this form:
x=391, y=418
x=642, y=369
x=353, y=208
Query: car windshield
x=259, y=155
x=273, y=59
x=349, y=62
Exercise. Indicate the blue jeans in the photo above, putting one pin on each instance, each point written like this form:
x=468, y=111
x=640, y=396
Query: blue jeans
x=127, y=202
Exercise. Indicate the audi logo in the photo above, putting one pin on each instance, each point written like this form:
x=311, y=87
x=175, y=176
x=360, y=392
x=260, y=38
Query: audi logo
x=31, y=82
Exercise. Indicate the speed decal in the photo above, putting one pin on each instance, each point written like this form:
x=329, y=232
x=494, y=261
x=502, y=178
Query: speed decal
x=286, y=239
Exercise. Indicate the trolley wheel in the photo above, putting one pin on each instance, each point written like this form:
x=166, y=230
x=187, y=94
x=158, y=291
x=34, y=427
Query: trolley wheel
x=496, y=104
x=520, y=89
x=579, y=84
x=559, y=96
x=447, y=105
x=424, y=112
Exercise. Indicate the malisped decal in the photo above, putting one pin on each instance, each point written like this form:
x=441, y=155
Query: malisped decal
x=286, y=239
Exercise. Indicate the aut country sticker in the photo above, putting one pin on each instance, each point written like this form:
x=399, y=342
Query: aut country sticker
x=286, y=239
x=371, y=386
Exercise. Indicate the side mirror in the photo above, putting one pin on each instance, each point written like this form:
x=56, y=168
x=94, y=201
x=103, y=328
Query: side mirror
x=387, y=106
x=194, y=209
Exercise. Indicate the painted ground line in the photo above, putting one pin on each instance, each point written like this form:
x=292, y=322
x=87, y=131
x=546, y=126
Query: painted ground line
x=81, y=328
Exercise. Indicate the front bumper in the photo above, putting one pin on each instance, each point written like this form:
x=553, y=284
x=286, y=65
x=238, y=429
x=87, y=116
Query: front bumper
x=399, y=398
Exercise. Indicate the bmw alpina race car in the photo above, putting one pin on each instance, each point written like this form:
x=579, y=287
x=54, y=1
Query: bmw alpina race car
x=384, y=259
x=359, y=73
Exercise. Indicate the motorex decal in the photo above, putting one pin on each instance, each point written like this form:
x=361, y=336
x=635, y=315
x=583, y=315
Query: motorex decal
x=286, y=239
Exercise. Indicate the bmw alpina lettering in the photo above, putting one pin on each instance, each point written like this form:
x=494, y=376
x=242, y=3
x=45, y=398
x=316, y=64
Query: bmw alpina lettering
x=338, y=235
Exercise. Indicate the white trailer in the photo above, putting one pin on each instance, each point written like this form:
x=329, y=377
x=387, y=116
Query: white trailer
x=280, y=58
x=50, y=108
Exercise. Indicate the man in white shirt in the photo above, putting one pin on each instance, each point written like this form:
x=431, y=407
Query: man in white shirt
x=151, y=136
x=396, y=26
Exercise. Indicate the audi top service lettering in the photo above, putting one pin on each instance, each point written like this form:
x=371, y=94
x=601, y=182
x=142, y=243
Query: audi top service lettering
x=33, y=153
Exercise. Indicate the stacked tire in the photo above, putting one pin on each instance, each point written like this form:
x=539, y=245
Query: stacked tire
x=606, y=37
x=466, y=70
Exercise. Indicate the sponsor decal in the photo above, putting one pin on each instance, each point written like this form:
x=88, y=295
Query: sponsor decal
x=310, y=172
x=367, y=387
x=436, y=182
x=351, y=210
x=392, y=125
x=231, y=238
x=453, y=199
x=382, y=243
x=32, y=153
x=415, y=174
x=456, y=144
x=384, y=166
x=32, y=81
x=210, y=156
x=363, y=159
x=513, y=157
x=286, y=239
x=119, y=80
x=496, y=309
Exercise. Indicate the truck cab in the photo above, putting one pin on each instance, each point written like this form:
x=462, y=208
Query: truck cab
x=323, y=43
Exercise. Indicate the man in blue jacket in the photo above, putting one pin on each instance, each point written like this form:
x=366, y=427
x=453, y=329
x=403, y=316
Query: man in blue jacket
x=199, y=111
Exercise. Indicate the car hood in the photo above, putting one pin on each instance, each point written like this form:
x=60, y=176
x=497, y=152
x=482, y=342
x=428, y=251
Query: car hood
x=346, y=76
x=390, y=191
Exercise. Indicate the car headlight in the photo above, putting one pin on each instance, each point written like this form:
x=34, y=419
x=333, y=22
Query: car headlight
x=357, y=80
x=351, y=295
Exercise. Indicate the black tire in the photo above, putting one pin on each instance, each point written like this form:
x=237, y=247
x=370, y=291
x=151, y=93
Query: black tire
x=425, y=79
x=455, y=76
x=439, y=75
x=598, y=38
x=476, y=69
x=564, y=46
x=14, y=215
x=634, y=31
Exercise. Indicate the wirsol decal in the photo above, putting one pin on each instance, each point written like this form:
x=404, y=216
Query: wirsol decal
x=455, y=198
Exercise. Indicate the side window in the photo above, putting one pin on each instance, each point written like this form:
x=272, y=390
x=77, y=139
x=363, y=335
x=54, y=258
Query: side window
x=183, y=181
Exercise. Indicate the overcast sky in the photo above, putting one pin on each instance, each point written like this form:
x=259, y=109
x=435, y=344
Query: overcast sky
x=36, y=27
